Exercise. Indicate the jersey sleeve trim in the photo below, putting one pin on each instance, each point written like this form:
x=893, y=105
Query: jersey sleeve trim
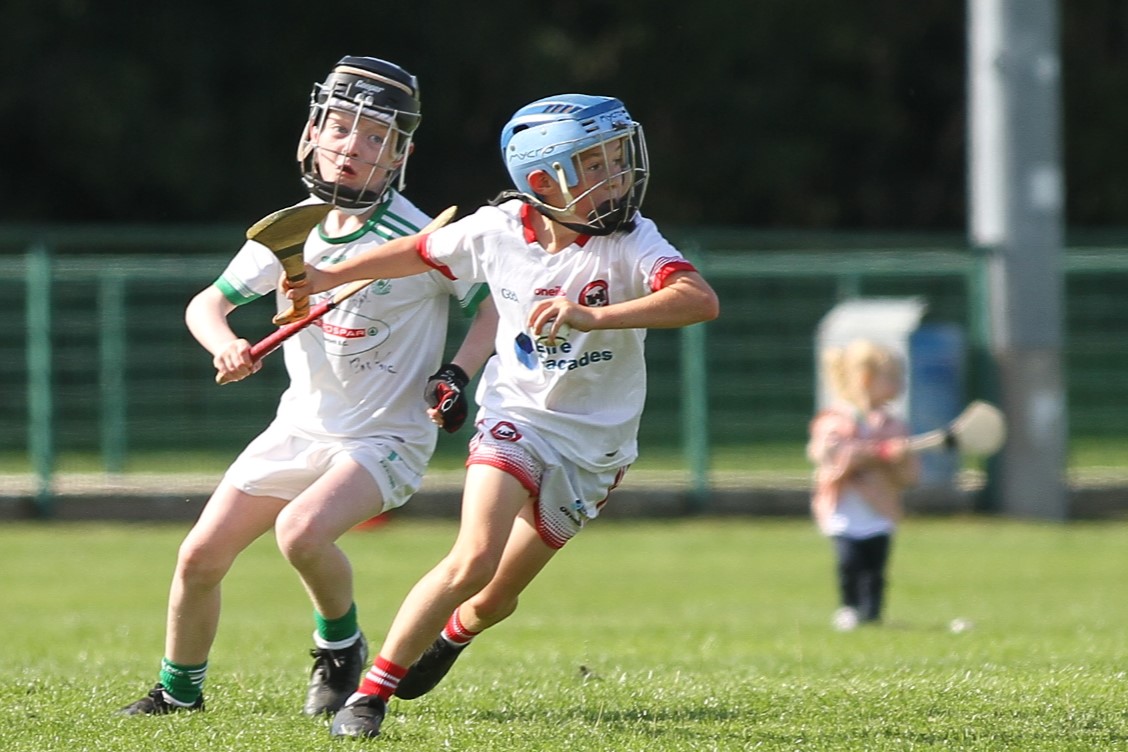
x=471, y=302
x=425, y=254
x=236, y=294
x=664, y=268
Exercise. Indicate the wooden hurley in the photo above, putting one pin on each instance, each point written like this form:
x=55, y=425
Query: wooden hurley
x=284, y=232
x=272, y=342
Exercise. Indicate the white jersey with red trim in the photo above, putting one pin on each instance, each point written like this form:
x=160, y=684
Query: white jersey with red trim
x=587, y=391
x=360, y=371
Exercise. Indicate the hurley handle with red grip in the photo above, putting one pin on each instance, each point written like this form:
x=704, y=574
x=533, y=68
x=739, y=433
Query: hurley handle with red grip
x=272, y=342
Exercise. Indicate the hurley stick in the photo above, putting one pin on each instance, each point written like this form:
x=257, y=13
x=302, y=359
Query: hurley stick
x=290, y=315
x=284, y=232
x=272, y=342
x=979, y=430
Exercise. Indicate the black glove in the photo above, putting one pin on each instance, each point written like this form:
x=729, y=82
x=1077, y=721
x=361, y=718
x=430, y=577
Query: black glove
x=445, y=390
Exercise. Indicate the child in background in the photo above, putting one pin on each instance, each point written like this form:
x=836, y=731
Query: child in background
x=863, y=468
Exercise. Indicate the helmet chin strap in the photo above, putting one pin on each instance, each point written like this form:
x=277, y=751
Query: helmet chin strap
x=356, y=211
x=559, y=216
x=611, y=220
x=563, y=217
x=603, y=227
x=348, y=200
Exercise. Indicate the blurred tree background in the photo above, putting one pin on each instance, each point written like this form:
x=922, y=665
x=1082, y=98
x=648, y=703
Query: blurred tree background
x=766, y=113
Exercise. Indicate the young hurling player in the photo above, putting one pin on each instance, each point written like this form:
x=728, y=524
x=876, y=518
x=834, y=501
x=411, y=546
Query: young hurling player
x=352, y=435
x=577, y=275
x=862, y=470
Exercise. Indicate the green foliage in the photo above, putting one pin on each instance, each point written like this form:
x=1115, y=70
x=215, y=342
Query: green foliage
x=696, y=635
x=775, y=113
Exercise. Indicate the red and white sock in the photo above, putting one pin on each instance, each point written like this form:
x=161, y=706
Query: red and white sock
x=381, y=680
x=455, y=633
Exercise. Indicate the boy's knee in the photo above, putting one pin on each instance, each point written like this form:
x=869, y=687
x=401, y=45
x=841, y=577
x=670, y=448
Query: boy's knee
x=198, y=567
x=469, y=574
x=490, y=610
x=299, y=537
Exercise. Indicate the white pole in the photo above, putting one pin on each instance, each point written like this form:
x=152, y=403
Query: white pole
x=986, y=153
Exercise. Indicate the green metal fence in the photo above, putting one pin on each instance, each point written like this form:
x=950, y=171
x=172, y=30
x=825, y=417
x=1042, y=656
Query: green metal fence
x=96, y=358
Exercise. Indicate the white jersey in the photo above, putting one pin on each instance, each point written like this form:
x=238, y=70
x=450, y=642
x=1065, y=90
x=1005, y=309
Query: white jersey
x=585, y=393
x=359, y=371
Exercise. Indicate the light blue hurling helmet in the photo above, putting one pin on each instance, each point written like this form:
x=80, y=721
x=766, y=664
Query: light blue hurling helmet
x=548, y=134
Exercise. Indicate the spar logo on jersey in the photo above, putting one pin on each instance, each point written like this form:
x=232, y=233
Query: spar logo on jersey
x=595, y=295
x=503, y=430
x=353, y=334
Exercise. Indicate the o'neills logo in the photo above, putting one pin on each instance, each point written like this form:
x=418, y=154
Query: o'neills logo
x=550, y=292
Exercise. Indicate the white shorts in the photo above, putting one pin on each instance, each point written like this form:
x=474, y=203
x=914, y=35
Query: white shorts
x=280, y=464
x=566, y=495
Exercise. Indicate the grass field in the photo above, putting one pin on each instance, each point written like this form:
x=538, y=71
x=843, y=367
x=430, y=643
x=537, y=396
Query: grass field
x=686, y=635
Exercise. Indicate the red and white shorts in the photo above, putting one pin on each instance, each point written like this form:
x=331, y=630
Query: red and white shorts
x=566, y=495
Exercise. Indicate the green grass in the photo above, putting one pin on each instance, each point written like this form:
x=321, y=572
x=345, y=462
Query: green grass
x=693, y=635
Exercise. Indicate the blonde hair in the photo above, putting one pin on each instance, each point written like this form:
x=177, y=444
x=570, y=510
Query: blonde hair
x=847, y=366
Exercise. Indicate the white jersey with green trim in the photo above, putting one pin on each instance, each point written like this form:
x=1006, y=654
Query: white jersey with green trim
x=587, y=391
x=360, y=370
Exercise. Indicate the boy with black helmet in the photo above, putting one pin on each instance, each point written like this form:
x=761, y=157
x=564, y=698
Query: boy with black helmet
x=381, y=92
x=352, y=435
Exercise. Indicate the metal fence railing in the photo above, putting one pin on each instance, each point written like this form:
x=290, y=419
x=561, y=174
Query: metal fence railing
x=96, y=358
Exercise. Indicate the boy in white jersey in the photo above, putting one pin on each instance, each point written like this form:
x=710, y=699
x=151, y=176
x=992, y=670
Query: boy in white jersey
x=352, y=435
x=577, y=275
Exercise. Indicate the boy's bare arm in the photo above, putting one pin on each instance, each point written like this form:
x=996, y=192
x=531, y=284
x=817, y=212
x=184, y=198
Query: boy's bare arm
x=394, y=259
x=206, y=317
x=478, y=345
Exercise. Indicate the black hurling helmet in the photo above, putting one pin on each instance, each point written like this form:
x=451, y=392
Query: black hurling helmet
x=377, y=90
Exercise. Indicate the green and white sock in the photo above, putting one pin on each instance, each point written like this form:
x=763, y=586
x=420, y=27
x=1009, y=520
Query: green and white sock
x=334, y=634
x=184, y=684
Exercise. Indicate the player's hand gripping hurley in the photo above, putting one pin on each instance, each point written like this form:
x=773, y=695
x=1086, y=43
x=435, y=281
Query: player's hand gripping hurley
x=272, y=342
x=979, y=430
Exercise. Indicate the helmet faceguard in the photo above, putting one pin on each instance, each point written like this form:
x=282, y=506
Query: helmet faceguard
x=358, y=92
x=559, y=135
